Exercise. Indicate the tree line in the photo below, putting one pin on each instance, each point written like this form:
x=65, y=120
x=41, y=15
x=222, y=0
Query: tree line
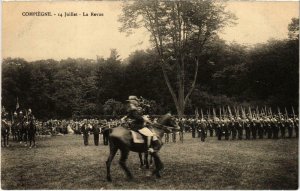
x=229, y=74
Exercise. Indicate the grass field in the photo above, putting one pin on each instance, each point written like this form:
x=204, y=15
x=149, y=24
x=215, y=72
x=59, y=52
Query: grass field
x=63, y=162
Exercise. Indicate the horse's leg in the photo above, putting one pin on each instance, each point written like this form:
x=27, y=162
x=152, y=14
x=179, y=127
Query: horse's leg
x=151, y=160
x=112, y=153
x=122, y=162
x=146, y=160
x=141, y=160
x=158, y=165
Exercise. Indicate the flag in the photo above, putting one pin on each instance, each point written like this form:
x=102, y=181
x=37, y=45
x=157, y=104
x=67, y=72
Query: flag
x=17, y=105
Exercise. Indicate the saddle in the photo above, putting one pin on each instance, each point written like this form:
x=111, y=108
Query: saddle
x=137, y=137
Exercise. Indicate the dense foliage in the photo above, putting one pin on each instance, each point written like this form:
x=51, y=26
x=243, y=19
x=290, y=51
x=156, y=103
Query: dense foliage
x=229, y=74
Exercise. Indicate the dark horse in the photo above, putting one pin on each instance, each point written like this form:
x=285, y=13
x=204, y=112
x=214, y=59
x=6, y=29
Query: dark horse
x=120, y=138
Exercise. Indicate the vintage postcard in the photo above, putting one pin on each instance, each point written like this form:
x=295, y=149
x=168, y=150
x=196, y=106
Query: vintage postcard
x=159, y=95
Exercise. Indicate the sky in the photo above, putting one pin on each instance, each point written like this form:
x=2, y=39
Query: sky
x=34, y=38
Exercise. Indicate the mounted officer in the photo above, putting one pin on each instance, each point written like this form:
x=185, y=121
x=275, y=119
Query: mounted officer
x=138, y=120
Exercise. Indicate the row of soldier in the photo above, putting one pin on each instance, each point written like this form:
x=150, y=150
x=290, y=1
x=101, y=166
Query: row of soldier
x=253, y=125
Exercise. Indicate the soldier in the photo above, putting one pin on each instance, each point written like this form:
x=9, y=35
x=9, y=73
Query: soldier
x=96, y=131
x=255, y=126
x=14, y=127
x=268, y=127
x=31, y=129
x=202, y=129
x=21, y=121
x=232, y=128
x=260, y=128
x=296, y=125
x=247, y=125
x=210, y=127
x=105, y=133
x=282, y=126
x=85, y=129
x=275, y=127
x=240, y=128
x=181, y=124
x=218, y=127
x=226, y=128
x=174, y=137
x=290, y=127
x=5, y=128
x=194, y=127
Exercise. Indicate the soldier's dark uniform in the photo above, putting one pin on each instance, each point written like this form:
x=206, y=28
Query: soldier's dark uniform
x=22, y=130
x=290, y=127
x=96, y=131
x=105, y=133
x=31, y=130
x=218, y=129
x=167, y=138
x=5, y=129
x=14, y=127
x=260, y=128
x=240, y=129
x=275, y=128
x=247, y=126
x=202, y=130
x=210, y=128
x=85, y=131
x=296, y=125
x=226, y=129
x=282, y=126
x=193, y=126
x=232, y=127
x=254, y=128
x=269, y=128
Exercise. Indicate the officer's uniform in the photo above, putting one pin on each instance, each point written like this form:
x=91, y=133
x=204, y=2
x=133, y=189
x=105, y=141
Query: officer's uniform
x=31, y=130
x=85, y=131
x=96, y=131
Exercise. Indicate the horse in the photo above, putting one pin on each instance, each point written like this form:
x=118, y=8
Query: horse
x=120, y=138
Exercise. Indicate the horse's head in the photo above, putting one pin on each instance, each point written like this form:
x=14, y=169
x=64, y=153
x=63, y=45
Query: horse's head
x=169, y=121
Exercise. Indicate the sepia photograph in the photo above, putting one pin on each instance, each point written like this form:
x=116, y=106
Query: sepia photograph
x=150, y=95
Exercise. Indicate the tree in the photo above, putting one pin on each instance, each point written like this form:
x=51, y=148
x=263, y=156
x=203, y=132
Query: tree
x=113, y=107
x=293, y=28
x=174, y=26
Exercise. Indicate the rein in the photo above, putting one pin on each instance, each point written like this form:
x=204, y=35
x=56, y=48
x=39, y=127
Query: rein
x=162, y=127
